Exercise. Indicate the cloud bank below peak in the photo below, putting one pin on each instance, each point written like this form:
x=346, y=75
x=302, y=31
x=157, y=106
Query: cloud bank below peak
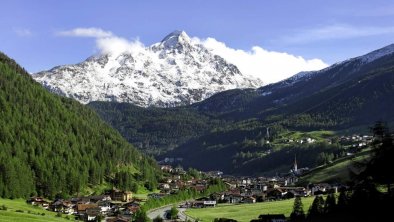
x=269, y=66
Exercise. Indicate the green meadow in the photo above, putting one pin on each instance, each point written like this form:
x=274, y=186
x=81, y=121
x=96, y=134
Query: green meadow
x=246, y=212
x=19, y=210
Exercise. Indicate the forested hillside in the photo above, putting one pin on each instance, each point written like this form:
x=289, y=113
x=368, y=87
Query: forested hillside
x=232, y=125
x=53, y=145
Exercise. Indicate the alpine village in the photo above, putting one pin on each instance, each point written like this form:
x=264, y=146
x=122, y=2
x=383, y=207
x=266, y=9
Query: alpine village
x=179, y=129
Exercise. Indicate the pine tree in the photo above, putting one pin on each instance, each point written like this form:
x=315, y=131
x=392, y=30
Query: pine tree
x=173, y=212
x=140, y=216
x=317, y=209
x=330, y=204
x=298, y=210
x=343, y=201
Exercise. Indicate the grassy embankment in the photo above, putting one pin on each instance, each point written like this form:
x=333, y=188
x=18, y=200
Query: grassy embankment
x=247, y=212
x=19, y=210
x=338, y=171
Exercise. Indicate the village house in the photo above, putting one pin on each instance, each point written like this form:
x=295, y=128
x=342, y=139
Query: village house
x=166, y=168
x=271, y=218
x=118, y=219
x=38, y=201
x=233, y=198
x=92, y=214
x=275, y=194
x=62, y=206
x=249, y=199
x=124, y=196
x=202, y=203
x=81, y=209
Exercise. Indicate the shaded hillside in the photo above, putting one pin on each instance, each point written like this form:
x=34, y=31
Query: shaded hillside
x=50, y=144
x=156, y=130
x=351, y=94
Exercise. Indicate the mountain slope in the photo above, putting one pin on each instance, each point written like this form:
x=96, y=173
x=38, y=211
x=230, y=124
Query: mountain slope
x=51, y=144
x=351, y=94
x=173, y=72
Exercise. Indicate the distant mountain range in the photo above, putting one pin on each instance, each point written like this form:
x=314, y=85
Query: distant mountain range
x=227, y=131
x=173, y=72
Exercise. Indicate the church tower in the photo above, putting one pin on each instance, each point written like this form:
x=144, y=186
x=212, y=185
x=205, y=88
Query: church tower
x=295, y=164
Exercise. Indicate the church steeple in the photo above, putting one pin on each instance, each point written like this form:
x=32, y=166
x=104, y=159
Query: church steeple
x=295, y=164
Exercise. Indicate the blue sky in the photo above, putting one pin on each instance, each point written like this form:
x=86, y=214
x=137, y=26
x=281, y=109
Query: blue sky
x=327, y=30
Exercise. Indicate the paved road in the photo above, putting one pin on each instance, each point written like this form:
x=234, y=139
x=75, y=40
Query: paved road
x=162, y=212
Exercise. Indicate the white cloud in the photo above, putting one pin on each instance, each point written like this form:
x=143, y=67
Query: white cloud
x=106, y=41
x=23, y=32
x=338, y=31
x=86, y=32
x=117, y=45
x=270, y=66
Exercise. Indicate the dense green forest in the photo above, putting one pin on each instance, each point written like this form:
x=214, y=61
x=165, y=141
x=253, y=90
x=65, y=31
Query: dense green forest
x=156, y=130
x=52, y=145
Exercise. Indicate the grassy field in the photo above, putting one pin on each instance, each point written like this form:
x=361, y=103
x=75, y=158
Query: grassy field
x=30, y=213
x=247, y=212
x=318, y=135
x=338, y=171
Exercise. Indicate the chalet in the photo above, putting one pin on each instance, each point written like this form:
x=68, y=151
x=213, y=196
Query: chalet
x=166, y=168
x=249, y=199
x=38, y=201
x=203, y=203
x=276, y=193
x=233, y=198
x=272, y=218
x=62, y=206
x=215, y=174
x=179, y=170
x=209, y=203
x=174, y=186
x=321, y=188
x=105, y=207
x=118, y=219
x=198, y=188
x=296, y=191
x=124, y=196
x=130, y=209
x=92, y=214
x=217, y=196
x=97, y=198
x=81, y=208
x=164, y=186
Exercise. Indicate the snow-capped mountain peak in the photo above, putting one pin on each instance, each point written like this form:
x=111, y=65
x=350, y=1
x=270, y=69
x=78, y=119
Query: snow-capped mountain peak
x=172, y=72
x=175, y=38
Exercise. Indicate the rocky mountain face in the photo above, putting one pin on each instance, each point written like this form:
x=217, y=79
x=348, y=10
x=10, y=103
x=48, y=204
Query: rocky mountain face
x=173, y=72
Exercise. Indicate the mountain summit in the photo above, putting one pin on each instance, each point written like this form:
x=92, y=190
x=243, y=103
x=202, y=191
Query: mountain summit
x=173, y=72
x=175, y=38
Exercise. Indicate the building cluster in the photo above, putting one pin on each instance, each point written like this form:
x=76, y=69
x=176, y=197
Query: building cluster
x=176, y=180
x=115, y=205
x=252, y=190
x=301, y=141
x=357, y=141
